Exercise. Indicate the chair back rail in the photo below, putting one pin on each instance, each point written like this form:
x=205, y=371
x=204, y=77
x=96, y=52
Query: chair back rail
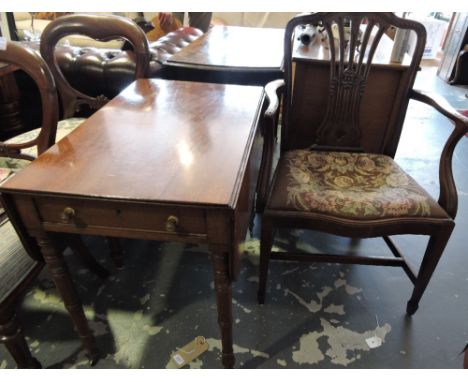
x=98, y=27
x=352, y=114
x=32, y=64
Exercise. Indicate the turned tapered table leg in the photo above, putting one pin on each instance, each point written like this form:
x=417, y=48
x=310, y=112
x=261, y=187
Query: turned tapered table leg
x=223, y=289
x=64, y=284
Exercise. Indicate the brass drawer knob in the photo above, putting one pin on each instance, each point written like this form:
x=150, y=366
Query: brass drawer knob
x=171, y=223
x=67, y=215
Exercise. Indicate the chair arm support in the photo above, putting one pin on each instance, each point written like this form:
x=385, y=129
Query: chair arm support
x=441, y=105
x=448, y=197
x=269, y=123
x=272, y=90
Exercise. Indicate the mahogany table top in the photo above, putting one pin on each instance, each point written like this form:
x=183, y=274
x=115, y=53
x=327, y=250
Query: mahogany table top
x=236, y=48
x=159, y=140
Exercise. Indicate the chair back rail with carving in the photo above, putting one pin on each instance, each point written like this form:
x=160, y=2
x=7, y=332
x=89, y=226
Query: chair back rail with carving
x=98, y=27
x=353, y=40
x=32, y=63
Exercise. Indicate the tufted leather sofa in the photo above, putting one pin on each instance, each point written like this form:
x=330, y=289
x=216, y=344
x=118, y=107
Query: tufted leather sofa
x=96, y=71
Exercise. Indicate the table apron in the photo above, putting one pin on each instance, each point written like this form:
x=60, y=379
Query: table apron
x=130, y=233
x=146, y=221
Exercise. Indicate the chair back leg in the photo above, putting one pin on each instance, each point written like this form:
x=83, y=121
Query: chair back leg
x=116, y=251
x=266, y=243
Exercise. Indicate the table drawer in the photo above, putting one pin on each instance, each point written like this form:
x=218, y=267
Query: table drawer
x=88, y=214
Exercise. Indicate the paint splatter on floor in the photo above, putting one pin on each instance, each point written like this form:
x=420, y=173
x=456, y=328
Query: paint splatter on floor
x=336, y=309
x=215, y=344
x=312, y=306
x=131, y=342
x=281, y=362
x=343, y=344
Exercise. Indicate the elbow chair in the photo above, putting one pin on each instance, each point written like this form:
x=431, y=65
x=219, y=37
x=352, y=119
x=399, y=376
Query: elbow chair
x=336, y=172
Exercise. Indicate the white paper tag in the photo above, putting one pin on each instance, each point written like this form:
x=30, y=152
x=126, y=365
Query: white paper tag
x=374, y=342
x=178, y=359
x=3, y=43
x=189, y=352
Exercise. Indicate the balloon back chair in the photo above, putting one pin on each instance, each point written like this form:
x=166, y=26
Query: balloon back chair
x=340, y=129
x=19, y=261
x=20, y=258
x=74, y=103
x=97, y=27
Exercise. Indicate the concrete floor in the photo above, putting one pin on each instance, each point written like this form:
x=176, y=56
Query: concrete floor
x=316, y=316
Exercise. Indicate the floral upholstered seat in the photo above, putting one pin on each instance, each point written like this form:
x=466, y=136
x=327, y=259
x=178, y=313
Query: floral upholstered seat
x=349, y=185
x=64, y=128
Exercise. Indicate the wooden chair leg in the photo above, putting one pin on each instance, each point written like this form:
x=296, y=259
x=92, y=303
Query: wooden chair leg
x=266, y=243
x=434, y=251
x=11, y=334
x=116, y=252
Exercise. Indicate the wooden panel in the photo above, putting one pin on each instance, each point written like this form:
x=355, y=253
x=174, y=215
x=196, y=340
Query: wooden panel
x=160, y=141
x=380, y=99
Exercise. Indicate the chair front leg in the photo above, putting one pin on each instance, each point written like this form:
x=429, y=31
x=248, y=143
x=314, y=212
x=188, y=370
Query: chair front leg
x=78, y=247
x=11, y=334
x=116, y=251
x=266, y=242
x=431, y=258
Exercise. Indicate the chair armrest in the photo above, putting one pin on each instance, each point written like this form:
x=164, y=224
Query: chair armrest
x=272, y=91
x=441, y=105
x=269, y=127
x=448, y=198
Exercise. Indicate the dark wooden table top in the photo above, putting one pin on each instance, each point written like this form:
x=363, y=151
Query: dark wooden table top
x=236, y=48
x=163, y=141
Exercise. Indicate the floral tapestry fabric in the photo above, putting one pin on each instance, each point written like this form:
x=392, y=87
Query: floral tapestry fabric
x=349, y=185
x=8, y=166
x=64, y=128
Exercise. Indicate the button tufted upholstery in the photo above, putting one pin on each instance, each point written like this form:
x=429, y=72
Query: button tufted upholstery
x=96, y=71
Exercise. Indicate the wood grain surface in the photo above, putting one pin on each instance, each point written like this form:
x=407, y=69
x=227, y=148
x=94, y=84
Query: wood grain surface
x=164, y=141
x=234, y=47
